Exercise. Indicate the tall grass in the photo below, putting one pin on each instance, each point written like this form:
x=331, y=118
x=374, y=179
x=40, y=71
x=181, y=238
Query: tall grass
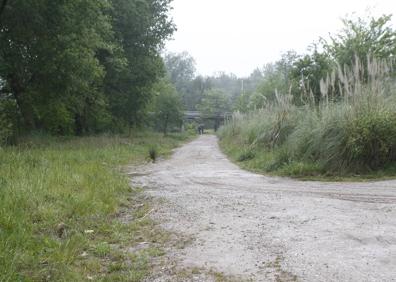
x=58, y=205
x=352, y=129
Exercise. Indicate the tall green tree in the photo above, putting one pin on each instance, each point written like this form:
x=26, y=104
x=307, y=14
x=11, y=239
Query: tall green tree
x=360, y=37
x=168, y=107
x=140, y=29
x=80, y=66
x=274, y=80
x=198, y=86
x=47, y=59
x=306, y=74
x=215, y=102
x=181, y=71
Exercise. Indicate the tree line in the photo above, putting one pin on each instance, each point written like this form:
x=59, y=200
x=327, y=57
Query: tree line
x=79, y=66
x=301, y=75
x=210, y=94
x=82, y=67
x=330, y=112
x=297, y=74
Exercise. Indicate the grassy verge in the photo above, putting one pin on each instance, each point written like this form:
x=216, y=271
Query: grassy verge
x=265, y=162
x=61, y=209
x=350, y=134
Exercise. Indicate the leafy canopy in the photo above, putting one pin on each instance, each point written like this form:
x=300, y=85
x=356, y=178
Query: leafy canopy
x=81, y=66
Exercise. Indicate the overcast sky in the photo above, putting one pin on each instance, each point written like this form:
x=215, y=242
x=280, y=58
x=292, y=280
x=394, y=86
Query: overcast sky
x=239, y=35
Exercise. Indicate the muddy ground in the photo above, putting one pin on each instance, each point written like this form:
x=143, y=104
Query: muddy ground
x=244, y=226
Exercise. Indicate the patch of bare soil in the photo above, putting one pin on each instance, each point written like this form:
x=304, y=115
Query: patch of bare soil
x=237, y=225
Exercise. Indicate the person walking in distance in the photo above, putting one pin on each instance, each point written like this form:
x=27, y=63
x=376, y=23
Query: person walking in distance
x=201, y=129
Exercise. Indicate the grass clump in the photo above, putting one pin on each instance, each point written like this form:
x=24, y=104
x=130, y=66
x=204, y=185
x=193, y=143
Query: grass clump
x=153, y=154
x=351, y=132
x=59, y=201
x=246, y=155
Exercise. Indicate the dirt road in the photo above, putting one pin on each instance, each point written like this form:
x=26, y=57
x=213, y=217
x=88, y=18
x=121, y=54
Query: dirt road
x=259, y=228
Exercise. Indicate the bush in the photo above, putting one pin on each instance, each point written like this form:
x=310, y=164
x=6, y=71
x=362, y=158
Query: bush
x=8, y=120
x=371, y=140
x=246, y=155
x=354, y=134
x=153, y=153
x=5, y=129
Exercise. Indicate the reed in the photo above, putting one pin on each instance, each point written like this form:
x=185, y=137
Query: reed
x=351, y=130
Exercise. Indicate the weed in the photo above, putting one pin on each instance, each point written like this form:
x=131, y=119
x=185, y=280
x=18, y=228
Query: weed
x=153, y=153
x=59, y=201
x=102, y=249
x=246, y=155
x=352, y=131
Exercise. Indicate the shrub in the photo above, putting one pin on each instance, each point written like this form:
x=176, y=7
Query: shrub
x=8, y=120
x=246, y=156
x=371, y=140
x=153, y=153
x=353, y=133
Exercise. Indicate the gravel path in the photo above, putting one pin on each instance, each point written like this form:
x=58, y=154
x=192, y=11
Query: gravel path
x=259, y=228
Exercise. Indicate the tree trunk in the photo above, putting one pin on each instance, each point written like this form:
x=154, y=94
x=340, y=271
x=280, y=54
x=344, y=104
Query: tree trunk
x=166, y=125
x=27, y=112
x=78, y=125
x=24, y=103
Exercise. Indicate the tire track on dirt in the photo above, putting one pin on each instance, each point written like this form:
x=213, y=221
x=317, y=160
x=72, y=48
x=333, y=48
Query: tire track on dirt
x=261, y=228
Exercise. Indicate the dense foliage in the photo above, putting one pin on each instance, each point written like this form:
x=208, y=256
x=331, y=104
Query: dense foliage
x=301, y=75
x=331, y=111
x=79, y=66
x=167, y=107
x=354, y=135
x=193, y=88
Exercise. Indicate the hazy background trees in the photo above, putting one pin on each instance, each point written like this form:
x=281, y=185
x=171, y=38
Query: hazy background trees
x=81, y=67
x=300, y=74
x=167, y=107
x=328, y=111
x=194, y=88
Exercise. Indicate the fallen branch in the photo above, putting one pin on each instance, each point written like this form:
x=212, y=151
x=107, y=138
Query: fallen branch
x=143, y=217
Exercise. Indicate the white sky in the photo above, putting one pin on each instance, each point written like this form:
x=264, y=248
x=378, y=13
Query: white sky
x=239, y=35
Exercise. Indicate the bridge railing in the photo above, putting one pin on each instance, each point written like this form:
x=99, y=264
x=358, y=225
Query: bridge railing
x=197, y=115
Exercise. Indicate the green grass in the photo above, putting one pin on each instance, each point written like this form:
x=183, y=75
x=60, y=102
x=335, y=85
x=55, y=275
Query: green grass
x=61, y=206
x=349, y=135
x=265, y=162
